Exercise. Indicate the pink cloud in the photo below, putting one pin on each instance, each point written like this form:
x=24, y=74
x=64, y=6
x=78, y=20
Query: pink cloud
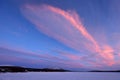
x=75, y=21
x=67, y=28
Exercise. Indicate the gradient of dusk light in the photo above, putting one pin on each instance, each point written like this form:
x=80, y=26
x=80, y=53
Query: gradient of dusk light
x=44, y=34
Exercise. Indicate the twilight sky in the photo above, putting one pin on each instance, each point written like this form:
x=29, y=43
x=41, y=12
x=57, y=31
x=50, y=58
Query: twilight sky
x=68, y=34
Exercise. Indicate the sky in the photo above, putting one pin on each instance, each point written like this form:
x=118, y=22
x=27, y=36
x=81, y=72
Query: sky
x=68, y=34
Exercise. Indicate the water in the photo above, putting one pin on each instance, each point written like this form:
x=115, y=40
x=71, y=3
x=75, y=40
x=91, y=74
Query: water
x=60, y=76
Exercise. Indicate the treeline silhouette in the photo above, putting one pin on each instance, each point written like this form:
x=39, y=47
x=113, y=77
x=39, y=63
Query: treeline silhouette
x=23, y=69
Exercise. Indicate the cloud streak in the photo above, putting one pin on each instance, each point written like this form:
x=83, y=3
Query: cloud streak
x=67, y=28
x=12, y=55
x=74, y=20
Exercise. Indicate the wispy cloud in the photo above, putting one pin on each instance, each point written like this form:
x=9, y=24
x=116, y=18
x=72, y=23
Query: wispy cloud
x=21, y=56
x=67, y=28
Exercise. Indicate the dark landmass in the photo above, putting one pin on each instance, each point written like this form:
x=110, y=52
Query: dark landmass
x=105, y=71
x=23, y=69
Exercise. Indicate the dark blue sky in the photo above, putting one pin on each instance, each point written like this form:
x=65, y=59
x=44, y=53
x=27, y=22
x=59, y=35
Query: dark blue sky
x=60, y=34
